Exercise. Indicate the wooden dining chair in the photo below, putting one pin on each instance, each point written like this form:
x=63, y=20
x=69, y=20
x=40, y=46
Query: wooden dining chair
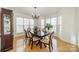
x=33, y=39
x=48, y=41
x=27, y=37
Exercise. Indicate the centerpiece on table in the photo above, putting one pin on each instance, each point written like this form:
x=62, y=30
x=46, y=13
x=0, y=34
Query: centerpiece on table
x=48, y=26
x=35, y=29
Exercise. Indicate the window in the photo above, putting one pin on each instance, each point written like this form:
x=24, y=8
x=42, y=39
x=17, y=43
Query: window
x=31, y=23
x=42, y=23
x=19, y=24
x=23, y=23
x=26, y=23
x=54, y=23
x=48, y=21
x=60, y=25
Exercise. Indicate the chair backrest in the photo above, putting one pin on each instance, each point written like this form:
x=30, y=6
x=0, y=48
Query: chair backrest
x=28, y=29
x=24, y=30
x=31, y=35
x=51, y=36
x=25, y=33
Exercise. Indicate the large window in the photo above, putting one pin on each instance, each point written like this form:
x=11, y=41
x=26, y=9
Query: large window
x=52, y=21
x=23, y=23
x=19, y=24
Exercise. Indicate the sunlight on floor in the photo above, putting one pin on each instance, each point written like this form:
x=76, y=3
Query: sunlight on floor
x=20, y=47
x=58, y=46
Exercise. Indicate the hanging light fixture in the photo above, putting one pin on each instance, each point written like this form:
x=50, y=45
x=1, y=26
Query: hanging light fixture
x=35, y=14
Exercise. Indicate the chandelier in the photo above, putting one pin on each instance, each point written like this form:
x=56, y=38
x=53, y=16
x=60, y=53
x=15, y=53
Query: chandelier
x=35, y=14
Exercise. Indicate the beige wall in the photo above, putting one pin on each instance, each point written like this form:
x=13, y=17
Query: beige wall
x=69, y=18
x=0, y=29
x=78, y=27
x=0, y=23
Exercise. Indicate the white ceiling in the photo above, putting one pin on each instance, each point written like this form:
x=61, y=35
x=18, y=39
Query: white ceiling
x=43, y=11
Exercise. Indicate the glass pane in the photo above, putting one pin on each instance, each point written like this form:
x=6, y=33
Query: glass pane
x=60, y=20
x=31, y=22
x=31, y=27
x=26, y=21
x=19, y=21
x=53, y=21
x=19, y=24
x=48, y=21
x=19, y=29
x=42, y=21
x=42, y=27
x=25, y=27
x=54, y=28
x=6, y=24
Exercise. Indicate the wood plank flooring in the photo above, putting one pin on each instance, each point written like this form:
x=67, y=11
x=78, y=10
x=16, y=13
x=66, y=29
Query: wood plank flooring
x=58, y=44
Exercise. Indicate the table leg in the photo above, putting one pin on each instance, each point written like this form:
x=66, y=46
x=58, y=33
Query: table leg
x=40, y=45
x=38, y=42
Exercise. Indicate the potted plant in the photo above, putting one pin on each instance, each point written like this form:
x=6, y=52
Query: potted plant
x=48, y=26
x=35, y=29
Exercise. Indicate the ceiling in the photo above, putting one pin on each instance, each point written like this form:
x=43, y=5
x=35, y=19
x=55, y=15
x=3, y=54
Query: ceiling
x=43, y=11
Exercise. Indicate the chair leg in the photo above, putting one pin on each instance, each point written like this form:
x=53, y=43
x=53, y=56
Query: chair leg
x=51, y=45
x=40, y=45
x=32, y=45
x=45, y=45
x=38, y=42
x=29, y=42
x=25, y=41
x=49, y=48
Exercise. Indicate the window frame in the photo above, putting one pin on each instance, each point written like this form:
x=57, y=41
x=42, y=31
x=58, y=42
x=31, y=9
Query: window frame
x=23, y=24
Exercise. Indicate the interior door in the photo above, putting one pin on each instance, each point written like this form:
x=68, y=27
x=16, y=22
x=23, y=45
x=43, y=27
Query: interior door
x=6, y=29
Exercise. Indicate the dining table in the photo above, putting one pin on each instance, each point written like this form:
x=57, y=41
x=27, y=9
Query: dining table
x=41, y=35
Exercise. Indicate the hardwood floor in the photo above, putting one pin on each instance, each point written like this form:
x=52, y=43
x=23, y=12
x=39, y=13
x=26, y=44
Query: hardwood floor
x=58, y=44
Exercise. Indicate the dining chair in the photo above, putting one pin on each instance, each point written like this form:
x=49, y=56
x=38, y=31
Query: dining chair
x=33, y=39
x=48, y=41
x=27, y=37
